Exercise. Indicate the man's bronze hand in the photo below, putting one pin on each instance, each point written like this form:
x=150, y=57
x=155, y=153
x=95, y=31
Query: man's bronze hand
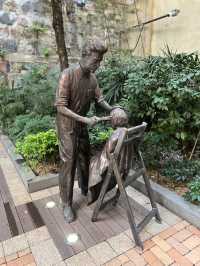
x=91, y=121
x=95, y=119
x=117, y=106
x=105, y=118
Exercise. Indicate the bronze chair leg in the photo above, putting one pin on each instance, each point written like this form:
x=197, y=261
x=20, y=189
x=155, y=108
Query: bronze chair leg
x=150, y=192
x=101, y=195
x=116, y=197
x=127, y=204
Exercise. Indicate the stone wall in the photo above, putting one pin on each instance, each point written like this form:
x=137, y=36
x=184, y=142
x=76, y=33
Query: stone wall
x=26, y=32
x=27, y=36
x=18, y=36
x=17, y=18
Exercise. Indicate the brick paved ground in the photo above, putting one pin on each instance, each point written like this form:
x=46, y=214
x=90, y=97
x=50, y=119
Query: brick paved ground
x=165, y=248
x=174, y=242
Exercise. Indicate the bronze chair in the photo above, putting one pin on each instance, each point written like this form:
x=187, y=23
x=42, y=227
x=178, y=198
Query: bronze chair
x=133, y=136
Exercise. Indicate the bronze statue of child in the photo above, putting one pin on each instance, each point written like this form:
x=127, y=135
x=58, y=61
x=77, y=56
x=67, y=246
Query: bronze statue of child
x=100, y=162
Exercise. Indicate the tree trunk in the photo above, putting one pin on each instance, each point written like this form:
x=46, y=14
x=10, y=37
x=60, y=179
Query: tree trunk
x=72, y=26
x=59, y=32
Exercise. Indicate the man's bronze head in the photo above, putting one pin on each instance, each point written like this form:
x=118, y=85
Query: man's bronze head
x=92, y=54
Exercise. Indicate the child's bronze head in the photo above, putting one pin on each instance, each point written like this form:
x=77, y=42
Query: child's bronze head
x=119, y=118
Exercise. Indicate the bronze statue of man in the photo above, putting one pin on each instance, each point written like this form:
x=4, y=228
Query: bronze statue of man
x=77, y=89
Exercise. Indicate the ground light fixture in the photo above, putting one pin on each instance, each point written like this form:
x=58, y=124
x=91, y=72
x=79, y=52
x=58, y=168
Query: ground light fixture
x=50, y=204
x=72, y=238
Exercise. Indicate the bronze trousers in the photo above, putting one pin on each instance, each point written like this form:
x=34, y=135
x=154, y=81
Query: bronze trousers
x=74, y=149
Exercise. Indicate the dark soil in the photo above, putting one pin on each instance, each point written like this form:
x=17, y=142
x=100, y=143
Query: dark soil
x=179, y=187
x=46, y=168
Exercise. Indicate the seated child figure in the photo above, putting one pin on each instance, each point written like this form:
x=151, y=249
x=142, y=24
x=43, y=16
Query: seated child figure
x=100, y=162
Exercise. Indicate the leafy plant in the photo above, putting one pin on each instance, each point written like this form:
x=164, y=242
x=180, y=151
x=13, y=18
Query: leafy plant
x=38, y=89
x=193, y=194
x=46, y=52
x=99, y=134
x=184, y=170
x=30, y=124
x=2, y=53
x=160, y=92
x=11, y=105
x=33, y=95
x=39, y=147
x=163, y=91
x=158, y=148
x=37, y=27
x=112, y=76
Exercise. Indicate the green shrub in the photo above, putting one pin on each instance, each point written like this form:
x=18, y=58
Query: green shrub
x=184, y=170
x=163, y=91
x=38, y=88
x=157, y=148
x=112, y=76
x=30, y=124
x=32, y=98
x=99, y=134
x=40, y=147
x=3, y=52
x=193, y=194
x=46, y=52
x=37, y=27
x=11, y=105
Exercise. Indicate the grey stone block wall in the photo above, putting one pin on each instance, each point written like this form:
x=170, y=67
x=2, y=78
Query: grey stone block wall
x=7, y=18
x=1, y=3
x=18, y=16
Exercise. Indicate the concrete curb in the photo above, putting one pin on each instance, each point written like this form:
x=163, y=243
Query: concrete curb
x=32, y=182
x=172, y=201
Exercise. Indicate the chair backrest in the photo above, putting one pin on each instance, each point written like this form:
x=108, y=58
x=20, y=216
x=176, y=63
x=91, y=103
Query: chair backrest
x=133, y=135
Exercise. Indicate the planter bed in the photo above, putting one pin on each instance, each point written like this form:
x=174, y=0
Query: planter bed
x=32, y=182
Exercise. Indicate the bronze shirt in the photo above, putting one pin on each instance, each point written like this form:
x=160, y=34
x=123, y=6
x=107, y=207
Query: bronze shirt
x=76, y=90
